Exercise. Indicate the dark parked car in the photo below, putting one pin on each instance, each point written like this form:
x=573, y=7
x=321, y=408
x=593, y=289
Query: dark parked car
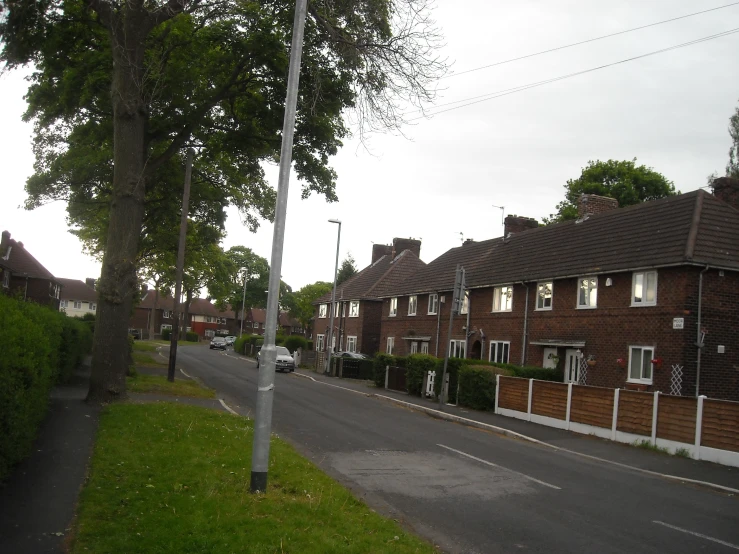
x=285, y=361
x=135, y=333
x=218, y=342
x=352, y=355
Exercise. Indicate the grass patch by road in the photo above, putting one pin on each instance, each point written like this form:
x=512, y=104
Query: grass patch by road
x=175, y=478
x=158, y=384
x=148, y=359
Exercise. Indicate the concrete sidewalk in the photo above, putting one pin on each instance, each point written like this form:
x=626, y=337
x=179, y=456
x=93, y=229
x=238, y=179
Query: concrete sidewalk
x=578, y=444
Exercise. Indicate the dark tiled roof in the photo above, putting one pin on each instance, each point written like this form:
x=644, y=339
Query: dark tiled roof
x=692, y=228
x=198, y=306
x=74, y=289
x=385, y=274
x=163, y=302
x=21, y=262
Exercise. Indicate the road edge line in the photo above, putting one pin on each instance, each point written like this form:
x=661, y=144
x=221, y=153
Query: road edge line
x=188, y=376
x=234, y=412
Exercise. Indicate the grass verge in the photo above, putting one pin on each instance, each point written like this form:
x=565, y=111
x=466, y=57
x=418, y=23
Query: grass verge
x=158, y=384
x=175, y=478
x=148, y=359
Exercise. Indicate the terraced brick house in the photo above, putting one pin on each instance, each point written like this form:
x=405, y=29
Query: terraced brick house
x=23, y=276
x=643, y=297
x=357, y=312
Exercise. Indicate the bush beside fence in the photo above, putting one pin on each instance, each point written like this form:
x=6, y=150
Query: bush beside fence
x=40, y=347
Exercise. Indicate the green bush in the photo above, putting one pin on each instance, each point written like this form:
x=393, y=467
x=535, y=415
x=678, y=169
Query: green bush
x=477, y=387
x=293, y=342
x=166, y=334
x=533, y=372
x=309, y=345
x=380, y=362
x=280, y=339
x=240, y=344
x=192, y=336
x=416, y=367
x=40, y=346
x=453, y=367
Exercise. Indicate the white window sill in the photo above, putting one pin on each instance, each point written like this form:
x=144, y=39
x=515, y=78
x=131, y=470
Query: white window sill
x=586, y=307
x=640, y=381
x=643, y=304
x=392, y=315
x=354, y=315
x=501, y=311
x=543, y=309
x=411, y=315
x=431, y=313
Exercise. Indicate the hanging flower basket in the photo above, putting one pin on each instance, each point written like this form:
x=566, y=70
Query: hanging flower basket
x=657, y=363
x=591, y=360
x=621, y=362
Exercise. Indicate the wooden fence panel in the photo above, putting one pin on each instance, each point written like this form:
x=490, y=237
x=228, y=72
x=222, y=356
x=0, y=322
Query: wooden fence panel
x=549, y=399
x=635, y=412
x=676, y=418
x=592, y=406
x=514, y=394
x=720, y=427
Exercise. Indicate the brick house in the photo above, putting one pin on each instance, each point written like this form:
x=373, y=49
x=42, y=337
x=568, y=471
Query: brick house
x=621, y=297
x=162, y=315
x=78, y=298
x=207, y=320
x=257, y=317
x=357, y=311
x=22, y=275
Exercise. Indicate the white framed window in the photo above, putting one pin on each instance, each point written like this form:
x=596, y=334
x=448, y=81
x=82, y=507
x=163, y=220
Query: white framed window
x=503, y=299
x=390, y=345
x=333, y=343
x=644, y=288
x=343, y=309
x=457, y=349
x=166, y=314
x=424, y=348
x=351, y=344
x=587, y=292
x=322, y=310
x=92, y=306
x=544, y=292
x=433, y=304
x=499, y=351
x=165, y=326
x=320, y=343
x=354, y=308
x=412, y=304
x=210, y=333
x=77, y=305
x=465, y=303
x=336, y=309
x=393, y=307
x=6, y=279
x=414, y=347
x=64, y=304
x=640, y=364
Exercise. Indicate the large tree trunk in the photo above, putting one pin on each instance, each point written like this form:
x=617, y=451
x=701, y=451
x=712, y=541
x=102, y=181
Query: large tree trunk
x=118, y=283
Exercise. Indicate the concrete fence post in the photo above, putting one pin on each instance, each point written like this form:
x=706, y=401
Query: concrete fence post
x=497, y=391
x=569, y=405
x=655, y=410
x=387, y=375
x=698, y=427
x=614, y=421
x=531, y=394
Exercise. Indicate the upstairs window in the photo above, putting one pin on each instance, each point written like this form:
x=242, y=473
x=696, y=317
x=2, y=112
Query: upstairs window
x=644, y=288
x=433, y=304
x=502, y=299
x=544, y=296
x=412, y=304
x=587, y=292
x=322, y=310
x=393, y=307
x=354, y=308
x=465, y=303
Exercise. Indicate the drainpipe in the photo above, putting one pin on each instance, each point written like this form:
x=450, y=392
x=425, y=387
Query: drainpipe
x=467, y=329
x=438, y=321
x=698, y=342
x=525, y=325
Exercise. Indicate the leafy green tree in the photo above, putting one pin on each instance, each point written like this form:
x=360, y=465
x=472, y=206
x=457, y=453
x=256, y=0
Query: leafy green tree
x=122, y=89
x=623, y=180
x=347, y=270
x=299, y=304
x=732, y=168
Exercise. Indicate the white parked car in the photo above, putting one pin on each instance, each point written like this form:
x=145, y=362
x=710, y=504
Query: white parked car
x=230, y=340
x=285, y=361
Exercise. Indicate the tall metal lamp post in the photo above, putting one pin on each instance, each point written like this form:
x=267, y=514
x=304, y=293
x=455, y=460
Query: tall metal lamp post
x=333, y=297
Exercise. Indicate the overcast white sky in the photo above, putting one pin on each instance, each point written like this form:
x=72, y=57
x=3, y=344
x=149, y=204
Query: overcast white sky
x=439, y=183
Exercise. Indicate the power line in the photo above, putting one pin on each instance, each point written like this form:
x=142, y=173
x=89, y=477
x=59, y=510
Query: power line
x=589, y=40
x=492, y=95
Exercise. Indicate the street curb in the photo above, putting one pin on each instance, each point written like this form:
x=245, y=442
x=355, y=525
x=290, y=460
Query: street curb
x=234, y=412
x=507, y=432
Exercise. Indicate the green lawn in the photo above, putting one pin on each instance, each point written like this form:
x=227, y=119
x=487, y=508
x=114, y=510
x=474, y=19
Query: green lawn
x=175, y=478
x=158, y=384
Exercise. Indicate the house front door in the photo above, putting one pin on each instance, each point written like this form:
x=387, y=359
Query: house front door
x=572, y=366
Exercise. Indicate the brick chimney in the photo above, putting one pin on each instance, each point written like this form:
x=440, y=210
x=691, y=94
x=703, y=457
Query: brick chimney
x=5, y=243
x=406, y=244
x=591, y=204
x=380, y=250
x=144, y=289
x=726, y=189
x=468, y=241
x=516, y=224
x=90, y=282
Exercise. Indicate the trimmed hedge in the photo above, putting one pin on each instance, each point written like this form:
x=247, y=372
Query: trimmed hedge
x=192, y=336
x=41, y=346
x=416, y=366
x=381, y=361
x=166, y=334
x=240, y=343
x=293, y=342
x=477, y=387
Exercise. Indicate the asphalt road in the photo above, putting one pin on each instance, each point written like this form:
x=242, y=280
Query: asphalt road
x=472, y=491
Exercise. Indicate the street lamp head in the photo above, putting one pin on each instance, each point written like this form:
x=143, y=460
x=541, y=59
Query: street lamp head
x=334, y=221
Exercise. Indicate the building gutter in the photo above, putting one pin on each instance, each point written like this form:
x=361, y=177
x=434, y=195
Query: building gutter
x=525, y=325
x=699, y=333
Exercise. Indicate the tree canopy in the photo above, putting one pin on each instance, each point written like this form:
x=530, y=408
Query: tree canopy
x=732, y=168
x=300, y=303
x=121, y=89
x=347, y=270
x=623, y=180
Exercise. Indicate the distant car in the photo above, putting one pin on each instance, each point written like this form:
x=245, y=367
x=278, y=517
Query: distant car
x=285, y=361
x=230, y=340
x=218, y=342
x=135, y=333
x=353, y=355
